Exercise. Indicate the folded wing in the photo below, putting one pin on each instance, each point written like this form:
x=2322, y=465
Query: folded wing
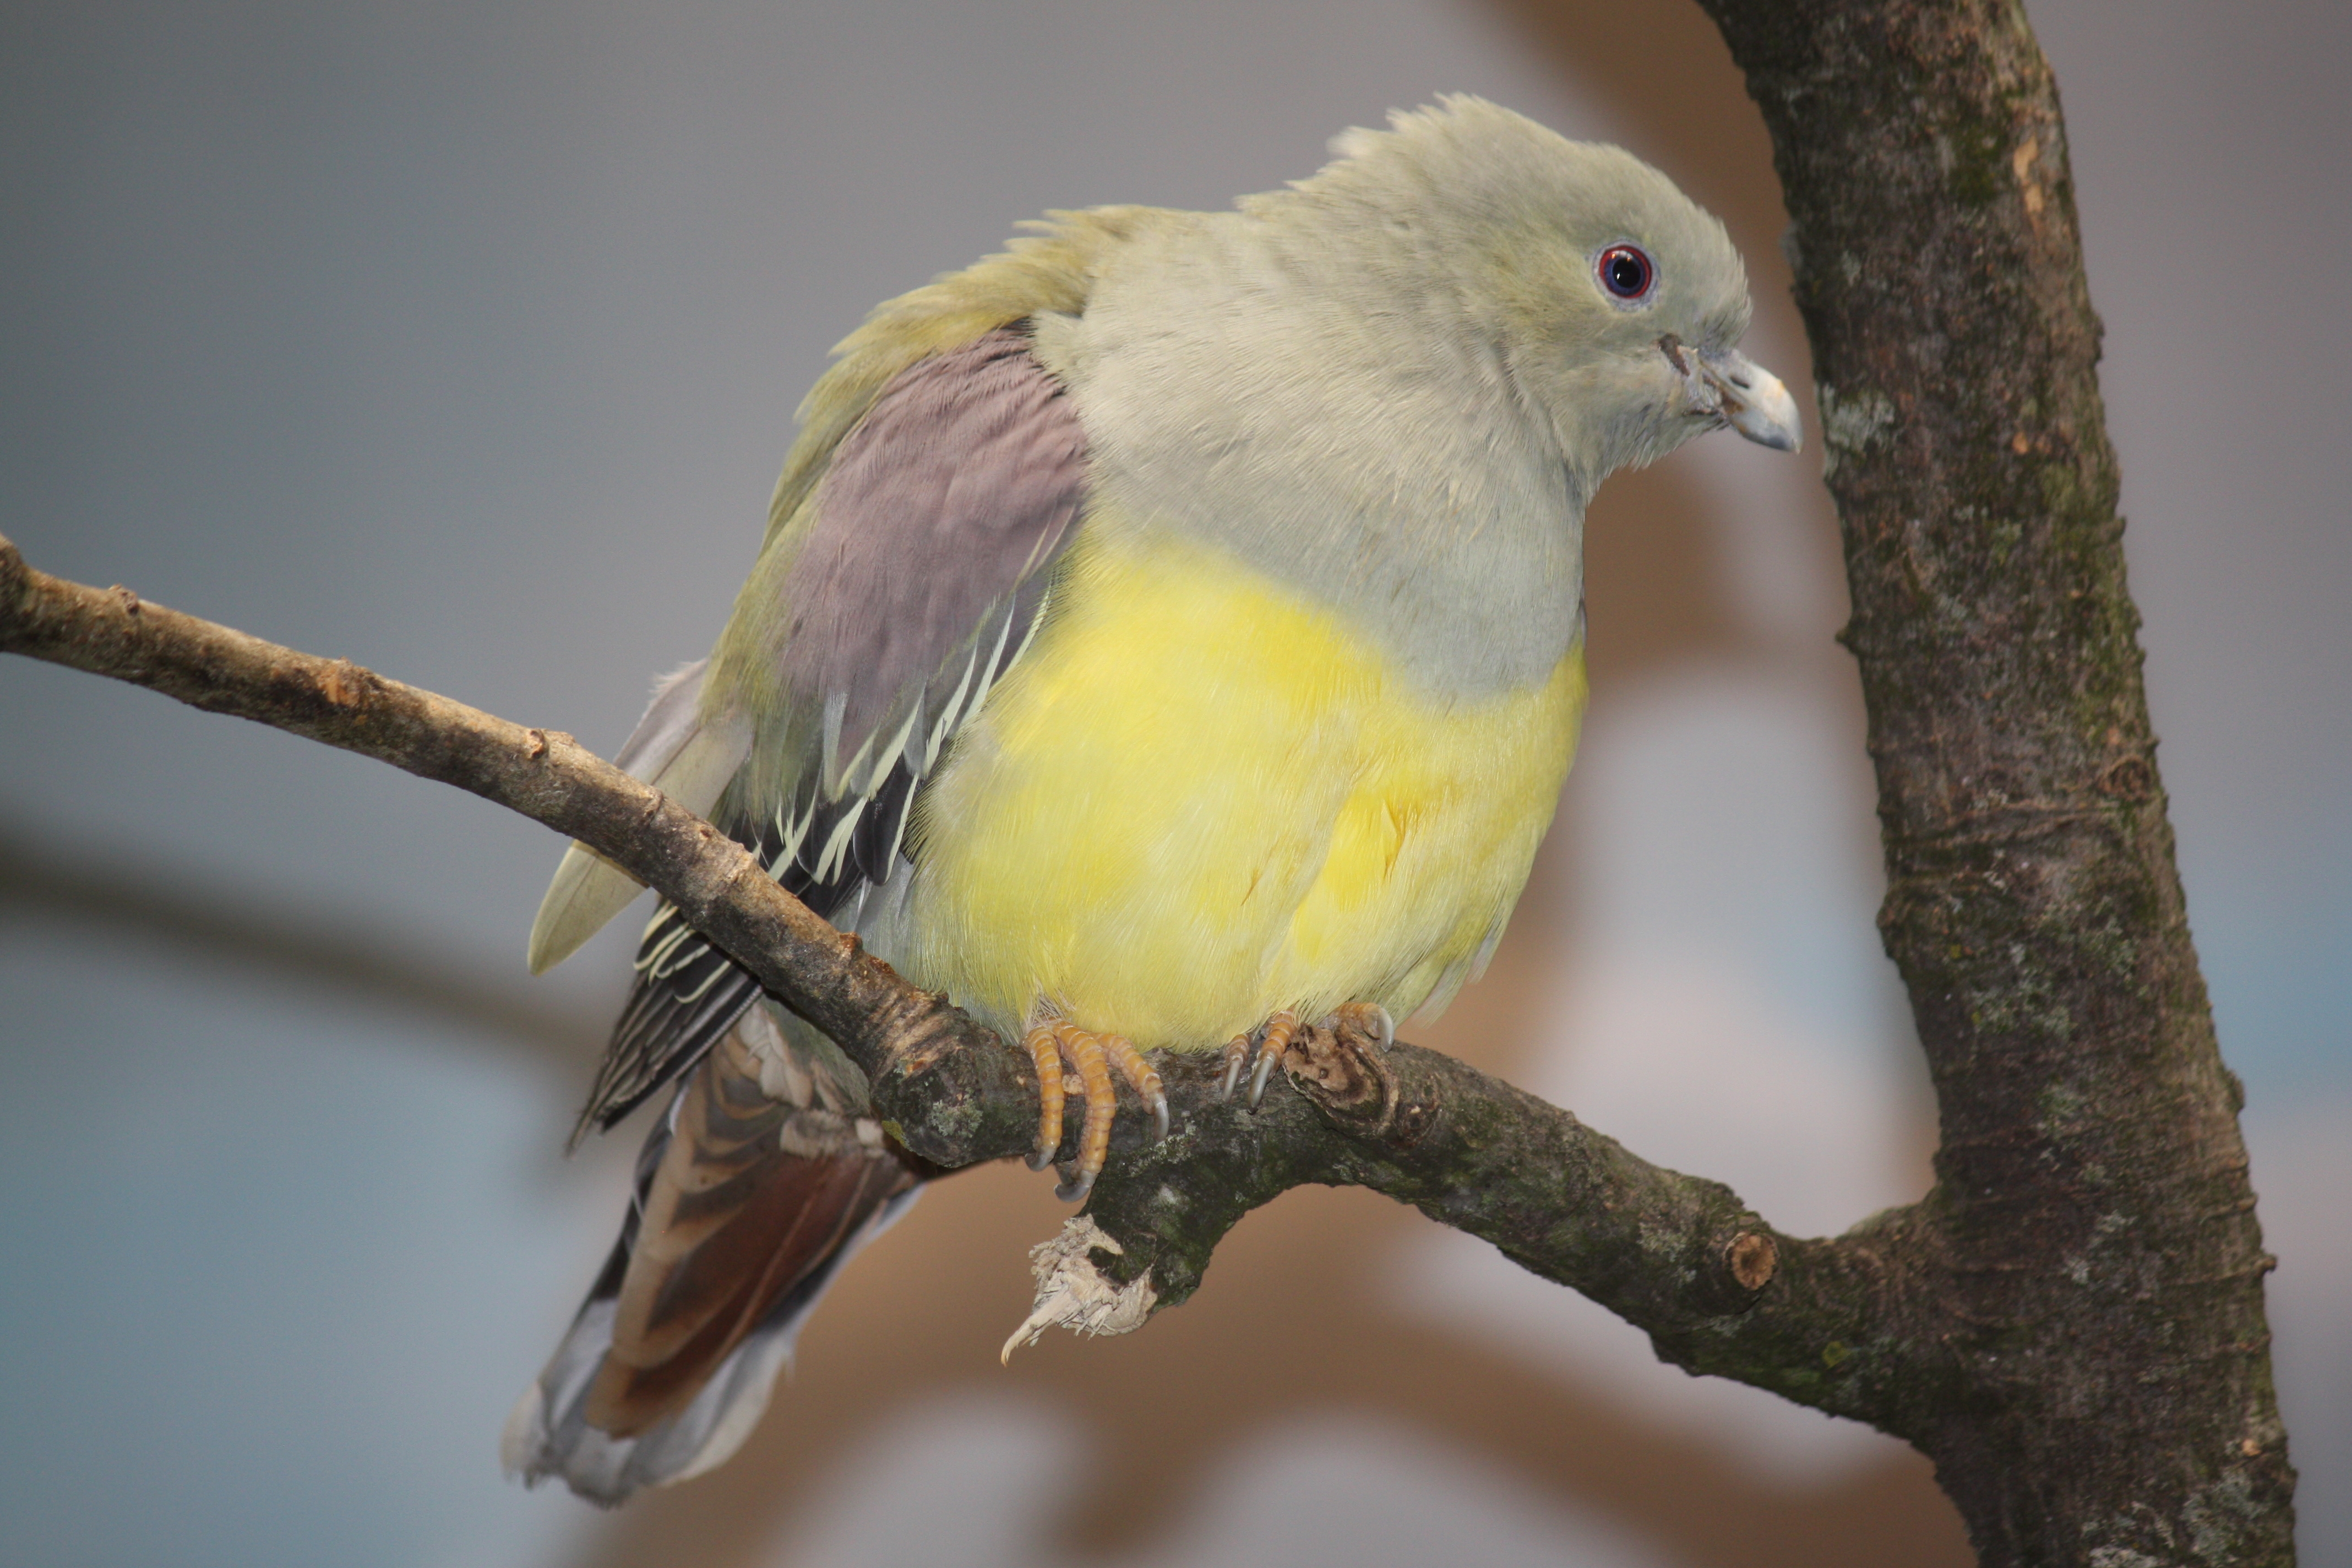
x=908, y=581
x=914, y=582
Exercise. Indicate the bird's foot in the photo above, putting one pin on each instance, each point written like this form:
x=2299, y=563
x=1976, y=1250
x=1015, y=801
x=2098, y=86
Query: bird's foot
x=1071, y=1060
x=1366, y=1022
x=1363, y=1023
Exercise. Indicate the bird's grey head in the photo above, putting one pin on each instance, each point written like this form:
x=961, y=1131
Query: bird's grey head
x=1616, y=302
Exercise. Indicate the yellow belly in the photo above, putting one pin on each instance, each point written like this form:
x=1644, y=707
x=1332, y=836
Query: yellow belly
x=1197, y=800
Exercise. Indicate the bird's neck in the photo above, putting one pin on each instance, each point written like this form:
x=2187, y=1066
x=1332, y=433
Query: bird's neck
x=1342, y=426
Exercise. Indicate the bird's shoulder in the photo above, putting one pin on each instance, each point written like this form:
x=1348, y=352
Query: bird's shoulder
x=1051, y=269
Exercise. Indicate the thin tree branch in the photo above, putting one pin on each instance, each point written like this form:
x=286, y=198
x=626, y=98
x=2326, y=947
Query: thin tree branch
x=1680, y=1256
x=917, y=1043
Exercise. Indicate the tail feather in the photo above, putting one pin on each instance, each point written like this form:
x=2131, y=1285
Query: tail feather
x=680, y=751
x=750, y=1194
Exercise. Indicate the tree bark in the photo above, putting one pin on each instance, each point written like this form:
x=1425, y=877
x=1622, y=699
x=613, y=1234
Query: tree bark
x=2070, y=1324
x=2090, y=1368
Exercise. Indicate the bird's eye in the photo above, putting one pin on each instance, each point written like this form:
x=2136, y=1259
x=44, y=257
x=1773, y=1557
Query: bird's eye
x=1626, y=272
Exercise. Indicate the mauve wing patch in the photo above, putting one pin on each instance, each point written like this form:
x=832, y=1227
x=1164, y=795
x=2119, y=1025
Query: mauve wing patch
x=960, y=483
x=920, y=581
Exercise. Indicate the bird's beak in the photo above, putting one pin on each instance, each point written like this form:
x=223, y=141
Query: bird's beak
x=1729, y=385
x=1755, y=403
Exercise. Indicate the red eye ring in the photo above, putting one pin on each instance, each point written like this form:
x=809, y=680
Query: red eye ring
x=1625, y=271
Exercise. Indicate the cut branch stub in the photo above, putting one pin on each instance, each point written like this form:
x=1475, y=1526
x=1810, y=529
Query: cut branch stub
x=1347, y=1077
x=1752, y=1259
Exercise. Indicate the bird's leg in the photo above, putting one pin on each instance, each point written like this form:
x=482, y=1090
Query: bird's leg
x=1273, y=1036
x=1089, y=1059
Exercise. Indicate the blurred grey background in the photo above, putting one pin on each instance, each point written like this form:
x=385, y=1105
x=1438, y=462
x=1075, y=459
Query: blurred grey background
x=462, y=339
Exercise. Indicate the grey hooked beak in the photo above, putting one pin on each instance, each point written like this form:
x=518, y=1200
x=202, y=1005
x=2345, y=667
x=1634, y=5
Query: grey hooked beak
x=1732, y=387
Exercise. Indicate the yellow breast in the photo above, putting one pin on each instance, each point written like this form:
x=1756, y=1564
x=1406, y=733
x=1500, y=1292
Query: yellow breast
x=1198, y=800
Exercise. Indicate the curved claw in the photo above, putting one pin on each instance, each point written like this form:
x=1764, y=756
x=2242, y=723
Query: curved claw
x=1090, y=1054
x=1143, y=1077
x=1273, y=1039
x=1237, y=1057
x=1264, y=1070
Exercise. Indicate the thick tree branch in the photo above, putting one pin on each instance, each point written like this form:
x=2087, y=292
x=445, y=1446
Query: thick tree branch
x=2090, y=1365
x=1680, y=1256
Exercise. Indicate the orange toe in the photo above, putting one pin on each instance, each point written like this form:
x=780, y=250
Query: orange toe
x=1086, y=1051
x=1143, y=1077
x=1047, y=1056
x=1272, y=1041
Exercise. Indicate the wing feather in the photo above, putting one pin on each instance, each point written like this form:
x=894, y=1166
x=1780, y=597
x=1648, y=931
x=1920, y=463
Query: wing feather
x=910, y=557
x=917, y=582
